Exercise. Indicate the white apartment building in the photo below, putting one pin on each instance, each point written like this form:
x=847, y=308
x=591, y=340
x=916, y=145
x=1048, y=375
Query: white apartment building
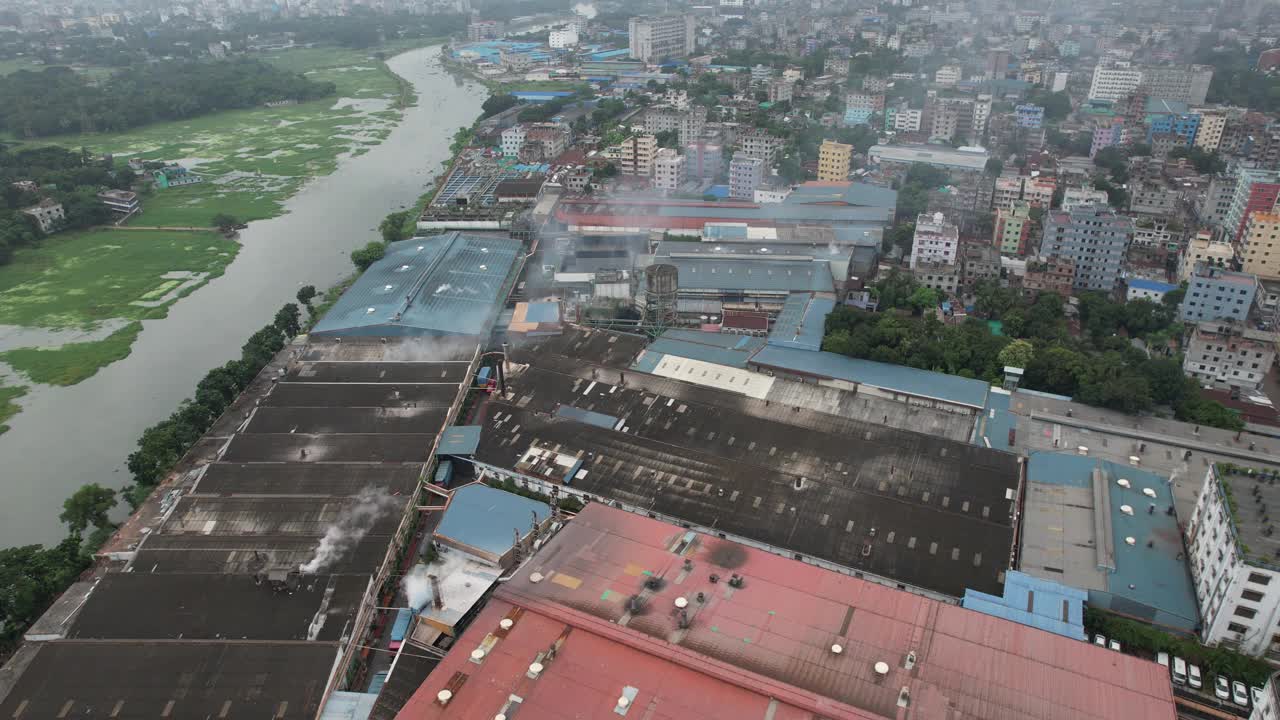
x=661, y=36
x=1114, y=81
x=1237, y=581
x=935, y=241
x=687, y=124
x=1202, y=248
x=760, y=144
x=1229, y=355
x=746, y=174
x=947, y=75
x=907, y=119
x=668, y=170
x=1076, y=197
x=634, y=155
x=565, y=38
x=513, y=139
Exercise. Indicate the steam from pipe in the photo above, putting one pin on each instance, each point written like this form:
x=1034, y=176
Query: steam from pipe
x=353, y=523
x=417, y=587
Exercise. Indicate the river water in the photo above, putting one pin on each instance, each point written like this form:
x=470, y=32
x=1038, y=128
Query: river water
x=68, y=436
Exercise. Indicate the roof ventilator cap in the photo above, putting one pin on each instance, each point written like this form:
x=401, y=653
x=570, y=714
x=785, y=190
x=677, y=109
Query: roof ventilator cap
x=837, y=649
x=623, y=701
x=535, y=669
x=1126, y=509
x=1130, y=540
x=1149, y=492
x=506, y=624
x=1123, y=483
x=535, y=577
x=882, y=668
x=444, y=696
x=682, y=602
x=910, y=662
x=904, y=696
x=477, y=655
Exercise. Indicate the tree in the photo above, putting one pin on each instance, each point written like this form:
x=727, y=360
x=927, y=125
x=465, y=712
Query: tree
x=225, y=222
x=288, y=320
x=995, y=166
x=305, y=295
x=87, y=506
x=922, y=299
x=368, y=255
x=394, y=226
x=495, y=104
x=1017, y=354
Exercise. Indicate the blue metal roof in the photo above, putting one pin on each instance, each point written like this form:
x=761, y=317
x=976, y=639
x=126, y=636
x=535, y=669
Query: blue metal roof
x=540, y=95
x=589, y=417
x=542, y=312
x=343, y=705
x=1155, y=576
x=802, y=322
x=719, y=348
x=906, y=380
x=449, y=284
x=996, y=422
x=482, y=517
x=1033, y=601
x=1152, y=285
x=711, y=273
x=459, y=440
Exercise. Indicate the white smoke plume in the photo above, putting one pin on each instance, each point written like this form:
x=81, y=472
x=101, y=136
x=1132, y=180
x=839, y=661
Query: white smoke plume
x=417, y=587
x=350, y=527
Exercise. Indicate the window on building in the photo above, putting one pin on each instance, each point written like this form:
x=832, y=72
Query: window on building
x=1251, y=595
x=1259, y=579
x=1236, y=628
x=1244, y=612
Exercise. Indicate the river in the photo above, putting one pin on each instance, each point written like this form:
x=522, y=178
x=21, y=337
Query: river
x=68, y=436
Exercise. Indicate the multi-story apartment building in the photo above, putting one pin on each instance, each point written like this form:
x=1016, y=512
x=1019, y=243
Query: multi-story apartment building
x=760, y=144
x=1215, y=293
x=656, y=37
x=947, y=75
x=1214, y=206
x=957, y=119
x=704, y=159
x=860, y=106
x=512, y=139
x=1203, y=249
x=635, y=155
x=902, y=119
x=780, y=90
x=937, y=275
x=746, y=174
x=1094, y=238
x=1212, y=123
x=1237, y=584
x=935, y=241
x=1029, y=116
x=1012, y=231
x=1077, y=197
x=1113, y=81
x=668, y=170
x=1229, y=355
x=478, y=30
x=1188, y=84
x=688, y=124
x=833, y=161
x=1053, y=275
x=1152, y=198
x=1255, y=191
x=1260, y=245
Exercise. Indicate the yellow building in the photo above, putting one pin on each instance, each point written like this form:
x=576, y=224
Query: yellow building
x=833, y=161
x=1260, y=250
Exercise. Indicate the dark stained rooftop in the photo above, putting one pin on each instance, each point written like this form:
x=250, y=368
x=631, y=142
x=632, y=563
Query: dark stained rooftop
x=361, y=421
x=227, y=478
x=298, y=447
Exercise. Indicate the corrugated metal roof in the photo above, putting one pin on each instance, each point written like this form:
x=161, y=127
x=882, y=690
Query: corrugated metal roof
x=938, y=155
x=802, y=322
x=459, y=440
x=907, y=380
x=482, y=517
x=763, y=649
x=1034, y=601
x=851, y=193
x=751, y=274
x=1145, y=284
x=440, y=285
x=718, y=348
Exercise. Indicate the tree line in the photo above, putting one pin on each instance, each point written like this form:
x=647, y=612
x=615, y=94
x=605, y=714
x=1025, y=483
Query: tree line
x=69, y=177
x=1101, y=367
x=58, y=100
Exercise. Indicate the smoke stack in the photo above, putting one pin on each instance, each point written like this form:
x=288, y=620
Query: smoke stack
x=436, y=598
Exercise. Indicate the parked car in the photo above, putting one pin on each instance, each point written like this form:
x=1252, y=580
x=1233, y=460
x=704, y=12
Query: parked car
x=1114, y=644
x=1222, y=688
x=1179, y=670
x=1239, y=694
x=1193, y=677
x=1163, y=658
x=1099, y=640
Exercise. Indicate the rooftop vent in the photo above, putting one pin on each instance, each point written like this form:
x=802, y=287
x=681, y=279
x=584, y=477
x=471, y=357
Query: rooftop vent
x=904, y=697
x=623, y=702
x=1082, y=450
x=837, y=649
x=477, y=655
x=682, y=602
x=535, y=669
x=1126, y=509
x=1130, y=540
x=910, y=661
x=1149, y=492
x=444, y=696
x=881, y=668
x=1123, y=483
x=535, y=577
x=507, y=623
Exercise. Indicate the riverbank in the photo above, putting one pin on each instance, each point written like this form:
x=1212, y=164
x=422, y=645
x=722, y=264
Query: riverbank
x=68, y=436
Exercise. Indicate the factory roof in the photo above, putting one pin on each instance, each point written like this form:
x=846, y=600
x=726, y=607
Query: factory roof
x=638, y=208
x=459, y=440
x=699, y=273
x=939, y=155
x=605, y=593
x=449, y=284
x=719, y=348
x=843, y=193
x=1034, y=601
x=753, y=250
x=1122, y=544
x=483, y=518
x=923, y=510
x=899, y=378
x=802, y=322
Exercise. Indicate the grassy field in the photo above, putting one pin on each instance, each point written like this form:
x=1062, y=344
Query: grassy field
x=9, y=408
x=71, y=363
x=254, y=159
x=76, y=280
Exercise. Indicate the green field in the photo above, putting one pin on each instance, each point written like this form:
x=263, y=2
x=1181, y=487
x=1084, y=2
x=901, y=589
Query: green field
x=79, y=279
x=9, y=408
x=255, y=159
x=73, y=362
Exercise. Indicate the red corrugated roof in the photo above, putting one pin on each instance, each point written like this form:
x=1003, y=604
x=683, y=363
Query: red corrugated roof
x=768, y=642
